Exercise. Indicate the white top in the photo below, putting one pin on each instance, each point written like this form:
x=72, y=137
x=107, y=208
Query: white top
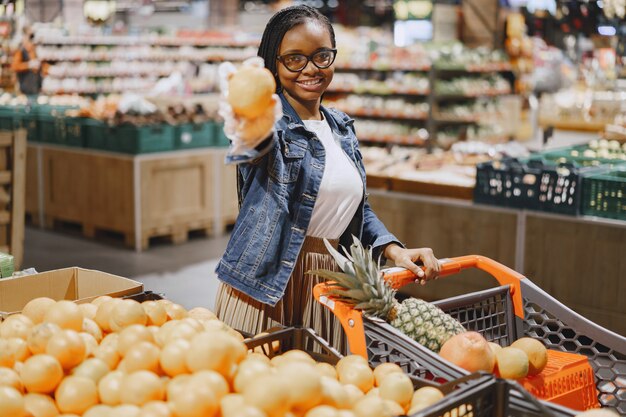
x=341, y=189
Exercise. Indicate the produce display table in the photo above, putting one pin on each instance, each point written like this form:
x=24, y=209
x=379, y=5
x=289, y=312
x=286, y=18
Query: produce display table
x=143, y=196
x=577, y=259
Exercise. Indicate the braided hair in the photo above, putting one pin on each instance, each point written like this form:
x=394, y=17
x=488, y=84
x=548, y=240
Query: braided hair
x=282, y=22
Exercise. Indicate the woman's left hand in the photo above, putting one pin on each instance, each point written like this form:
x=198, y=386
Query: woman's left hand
x=406, y=258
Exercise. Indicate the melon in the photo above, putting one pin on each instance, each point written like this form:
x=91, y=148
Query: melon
x=470, y=351
x=512, y=363
x=536, y=352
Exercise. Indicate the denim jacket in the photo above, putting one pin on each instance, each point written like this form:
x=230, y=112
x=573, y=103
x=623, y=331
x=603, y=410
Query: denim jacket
x=278, y=186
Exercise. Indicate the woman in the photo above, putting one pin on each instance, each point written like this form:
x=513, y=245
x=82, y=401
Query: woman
x=27, y=66
x=304, y=182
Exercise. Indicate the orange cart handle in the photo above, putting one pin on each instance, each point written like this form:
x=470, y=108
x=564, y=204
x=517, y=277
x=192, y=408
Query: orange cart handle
x=399, y=277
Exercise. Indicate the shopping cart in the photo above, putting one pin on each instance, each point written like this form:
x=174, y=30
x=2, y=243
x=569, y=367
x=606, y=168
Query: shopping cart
x=515, y=308
x=476, y=395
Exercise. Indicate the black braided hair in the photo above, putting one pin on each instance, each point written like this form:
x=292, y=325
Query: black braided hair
x=283, y=21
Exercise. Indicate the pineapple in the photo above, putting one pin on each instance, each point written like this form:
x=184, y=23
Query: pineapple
x=361, y=285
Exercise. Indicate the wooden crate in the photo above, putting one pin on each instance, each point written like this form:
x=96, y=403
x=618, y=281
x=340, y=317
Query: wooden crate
x=12, y=193
x=140, y=197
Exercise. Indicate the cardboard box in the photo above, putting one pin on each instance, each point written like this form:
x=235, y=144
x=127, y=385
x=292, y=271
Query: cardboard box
x=75, y=284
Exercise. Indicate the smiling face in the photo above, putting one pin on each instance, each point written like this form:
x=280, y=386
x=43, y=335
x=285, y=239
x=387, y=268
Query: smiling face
x=304, y=89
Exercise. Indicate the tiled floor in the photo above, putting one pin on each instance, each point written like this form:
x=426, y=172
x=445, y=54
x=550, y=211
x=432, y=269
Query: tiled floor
x=184, y=273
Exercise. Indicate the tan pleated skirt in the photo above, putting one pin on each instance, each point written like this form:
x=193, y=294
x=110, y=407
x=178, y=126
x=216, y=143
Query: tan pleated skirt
x=298, y=307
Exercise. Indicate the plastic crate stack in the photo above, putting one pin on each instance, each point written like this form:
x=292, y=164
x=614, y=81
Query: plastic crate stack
x=577, y=180
x=49, y=124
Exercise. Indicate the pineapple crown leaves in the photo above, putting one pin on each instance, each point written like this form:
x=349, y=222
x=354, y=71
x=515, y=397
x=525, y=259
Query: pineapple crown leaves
x=361, y=283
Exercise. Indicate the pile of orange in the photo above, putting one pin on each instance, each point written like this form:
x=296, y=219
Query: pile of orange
x=123, y=358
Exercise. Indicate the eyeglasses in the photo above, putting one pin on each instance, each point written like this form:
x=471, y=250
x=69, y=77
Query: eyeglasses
x=297, y=62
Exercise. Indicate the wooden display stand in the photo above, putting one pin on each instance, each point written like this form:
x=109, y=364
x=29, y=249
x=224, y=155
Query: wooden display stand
x=141, y=197
x=12, y=185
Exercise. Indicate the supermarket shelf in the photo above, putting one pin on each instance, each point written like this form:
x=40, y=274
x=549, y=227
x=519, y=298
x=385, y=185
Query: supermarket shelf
x=385, y=114
x=393, y=139
x=135, y=40
x=132, y=58
x=416, y=93
x=126, y=73
x=495, y=67
x=442, y=118
x=446, y=96
x=410, y=68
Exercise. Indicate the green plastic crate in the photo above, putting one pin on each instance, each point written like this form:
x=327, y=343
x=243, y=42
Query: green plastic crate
x=192, y=135
x=73, y=132
x=96, y=134
x=220, y=138
x=143, y=139
x=604, y=194
x=11, y=118
x=49, y=128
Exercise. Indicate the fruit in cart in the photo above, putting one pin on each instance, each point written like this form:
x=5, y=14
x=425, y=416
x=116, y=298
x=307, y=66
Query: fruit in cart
x=394, y=408
x=469, y=351
x=362, y=286
x=384, y=369
x=41, y=374
x=11, y=402
x=358, y=375
x=37, y=308
x=371, y=406
x=512, y=363
x=536, y=352
x=250, y=91
x=494, y=347
x=349, y=360
x=424, y=397
x=397, y=387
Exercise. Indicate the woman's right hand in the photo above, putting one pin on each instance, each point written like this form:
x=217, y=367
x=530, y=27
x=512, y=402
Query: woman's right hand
x=245, y=133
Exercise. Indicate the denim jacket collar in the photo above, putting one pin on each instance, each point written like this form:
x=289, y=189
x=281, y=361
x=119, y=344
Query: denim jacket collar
x=293, y=120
